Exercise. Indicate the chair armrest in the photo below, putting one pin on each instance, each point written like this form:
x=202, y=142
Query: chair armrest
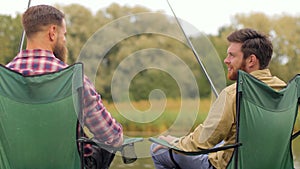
x=295, y=135
x=127, y=148
x=201, y=151
x=126, y=142
x=133, y=140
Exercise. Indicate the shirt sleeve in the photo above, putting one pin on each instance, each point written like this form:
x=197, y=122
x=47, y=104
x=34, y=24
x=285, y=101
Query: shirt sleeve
x=215, y=128
x=98, y=120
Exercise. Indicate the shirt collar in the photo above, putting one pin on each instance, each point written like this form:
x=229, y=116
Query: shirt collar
x=261, y=73
x=266, y=76
x=35, y=52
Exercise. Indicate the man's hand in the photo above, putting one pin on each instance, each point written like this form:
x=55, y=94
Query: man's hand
x=167, y=138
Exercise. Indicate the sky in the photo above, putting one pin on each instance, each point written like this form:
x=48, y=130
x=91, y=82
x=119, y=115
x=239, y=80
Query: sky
x=206, y=16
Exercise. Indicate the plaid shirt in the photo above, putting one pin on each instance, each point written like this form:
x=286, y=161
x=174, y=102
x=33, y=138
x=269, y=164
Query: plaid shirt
x=97, y=119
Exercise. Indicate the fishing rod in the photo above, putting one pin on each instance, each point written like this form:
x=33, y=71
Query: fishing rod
x=23, y=33
x=195, y=53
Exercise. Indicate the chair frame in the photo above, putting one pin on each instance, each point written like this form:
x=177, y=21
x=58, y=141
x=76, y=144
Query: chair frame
x=80, y=98
x=215, y=149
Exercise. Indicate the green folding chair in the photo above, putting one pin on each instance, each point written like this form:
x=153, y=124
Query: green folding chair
x=265, y=122
x=39, y=117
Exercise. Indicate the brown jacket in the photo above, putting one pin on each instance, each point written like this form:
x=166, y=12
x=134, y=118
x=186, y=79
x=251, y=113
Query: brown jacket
x=220, y=123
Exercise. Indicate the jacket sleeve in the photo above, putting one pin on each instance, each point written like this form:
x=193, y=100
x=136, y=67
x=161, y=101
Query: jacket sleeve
x=216, y=126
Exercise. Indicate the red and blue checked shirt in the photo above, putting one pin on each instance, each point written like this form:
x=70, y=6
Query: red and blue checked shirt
x=97, y=119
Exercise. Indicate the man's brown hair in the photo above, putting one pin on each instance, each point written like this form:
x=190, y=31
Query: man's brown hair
x=255, y=43
x=37, y=17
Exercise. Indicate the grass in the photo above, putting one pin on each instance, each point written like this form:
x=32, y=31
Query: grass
x=157, y=116
x=148, y=118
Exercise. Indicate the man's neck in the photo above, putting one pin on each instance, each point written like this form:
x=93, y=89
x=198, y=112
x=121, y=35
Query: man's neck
x=40, y=41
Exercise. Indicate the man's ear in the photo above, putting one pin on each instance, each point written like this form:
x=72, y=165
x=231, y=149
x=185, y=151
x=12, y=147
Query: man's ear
x=252, y=60
x=52, y=32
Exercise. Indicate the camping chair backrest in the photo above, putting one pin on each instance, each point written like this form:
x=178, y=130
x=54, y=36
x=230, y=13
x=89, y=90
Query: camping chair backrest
x=265, y=124
x=38, y=117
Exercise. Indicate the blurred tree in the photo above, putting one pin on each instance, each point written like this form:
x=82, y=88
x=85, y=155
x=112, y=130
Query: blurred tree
x=95, y=37
x=220, y=43
x=10, y=36
x=284, y=31
x=80, y=26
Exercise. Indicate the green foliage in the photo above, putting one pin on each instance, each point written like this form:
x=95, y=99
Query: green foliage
x=146, y=36
x=155, y=80
x=10, y=36
x=284, y=32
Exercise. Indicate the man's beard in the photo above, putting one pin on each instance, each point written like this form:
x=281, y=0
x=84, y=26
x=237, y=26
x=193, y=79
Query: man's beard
x=61, y=52
x=234, y=74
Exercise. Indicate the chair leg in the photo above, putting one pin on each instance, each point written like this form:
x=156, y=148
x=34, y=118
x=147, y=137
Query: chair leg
x=101, y=159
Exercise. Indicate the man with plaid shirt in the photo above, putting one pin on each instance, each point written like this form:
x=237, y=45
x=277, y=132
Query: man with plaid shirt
x=46, y=51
